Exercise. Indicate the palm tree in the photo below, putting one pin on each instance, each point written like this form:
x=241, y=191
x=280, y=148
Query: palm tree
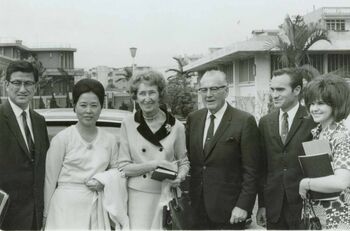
x=296, y=39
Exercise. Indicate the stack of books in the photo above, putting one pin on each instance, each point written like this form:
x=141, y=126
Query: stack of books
x=317, y=162
x=162, y=173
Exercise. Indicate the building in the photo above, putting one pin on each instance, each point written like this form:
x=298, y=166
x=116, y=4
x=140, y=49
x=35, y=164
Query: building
x=115, y=81
x=249, y=65
x=55, y=63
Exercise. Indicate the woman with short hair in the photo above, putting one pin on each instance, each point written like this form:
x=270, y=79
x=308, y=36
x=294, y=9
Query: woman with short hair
x=328, y=98
x=77, y=155
x=150, y=138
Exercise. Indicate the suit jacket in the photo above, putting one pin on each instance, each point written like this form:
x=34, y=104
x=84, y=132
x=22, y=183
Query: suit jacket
x=20, y=175
x=281, y=170
x=227, y=175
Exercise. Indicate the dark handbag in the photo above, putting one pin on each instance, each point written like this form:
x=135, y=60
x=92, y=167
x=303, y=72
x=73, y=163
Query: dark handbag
x=178, y=213
x=310, y=221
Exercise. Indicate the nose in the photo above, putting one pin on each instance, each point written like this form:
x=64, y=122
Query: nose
x=209, y=93
x=22, y=88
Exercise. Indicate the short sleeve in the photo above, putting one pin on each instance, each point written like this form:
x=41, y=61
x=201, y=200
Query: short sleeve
x=341, y=152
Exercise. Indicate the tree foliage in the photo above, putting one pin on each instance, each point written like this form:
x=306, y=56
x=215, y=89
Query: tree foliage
x=295, y=40
x=182, y=98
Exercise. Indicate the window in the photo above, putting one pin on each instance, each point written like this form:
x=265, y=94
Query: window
x=246, y=70
x=228, y=69
x=315, y=60
x=335, y=24
x=339, y=62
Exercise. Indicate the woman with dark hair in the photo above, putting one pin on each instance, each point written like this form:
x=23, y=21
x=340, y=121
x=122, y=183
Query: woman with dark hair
x=328, y=101
x=150, y=138
x=76, y=157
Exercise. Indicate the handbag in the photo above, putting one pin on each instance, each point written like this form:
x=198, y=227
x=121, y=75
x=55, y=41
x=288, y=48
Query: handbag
x=178, y=214
x=310, y=221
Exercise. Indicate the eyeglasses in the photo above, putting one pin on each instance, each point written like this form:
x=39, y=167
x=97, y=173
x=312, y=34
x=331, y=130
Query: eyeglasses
x=26, y=84
x=213, y=90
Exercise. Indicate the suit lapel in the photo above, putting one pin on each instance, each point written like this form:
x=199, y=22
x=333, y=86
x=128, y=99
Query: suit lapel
x=298, y=119
x=36, y=134
x=224, y=124
x=14, y=127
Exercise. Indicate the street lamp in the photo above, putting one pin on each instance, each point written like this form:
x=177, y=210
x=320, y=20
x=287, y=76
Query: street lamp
x=133, y=54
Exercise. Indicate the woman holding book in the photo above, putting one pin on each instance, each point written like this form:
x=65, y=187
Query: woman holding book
x=149, y=139
x=328, y=101
x=80, y=158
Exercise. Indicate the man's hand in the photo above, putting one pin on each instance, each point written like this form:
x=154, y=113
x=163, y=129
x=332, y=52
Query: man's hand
x=238, y=215
x=261, y=217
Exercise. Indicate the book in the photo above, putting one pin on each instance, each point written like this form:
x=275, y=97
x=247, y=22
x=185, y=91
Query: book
x=317, y=163
x=4, y=202
x=314, y=147
x=161, y=173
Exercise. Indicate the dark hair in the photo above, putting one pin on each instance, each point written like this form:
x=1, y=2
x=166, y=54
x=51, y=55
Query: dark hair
x=151, y=77
x=296, y=79
x=332, y=90
x=88, y=85
x=22, y=66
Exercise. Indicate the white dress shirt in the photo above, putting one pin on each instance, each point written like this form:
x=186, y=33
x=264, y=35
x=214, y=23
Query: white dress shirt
x=218, y=116
x=18, y=113
x=291, y=114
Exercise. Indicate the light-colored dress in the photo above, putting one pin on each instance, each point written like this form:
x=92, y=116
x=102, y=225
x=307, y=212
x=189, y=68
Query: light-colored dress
x=144, y=193
x=335, y=214
x=70, y=162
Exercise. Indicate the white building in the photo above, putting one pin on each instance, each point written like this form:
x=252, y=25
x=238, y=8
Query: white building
x=249, y=65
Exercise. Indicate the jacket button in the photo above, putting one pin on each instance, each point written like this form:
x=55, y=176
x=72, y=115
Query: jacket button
x=143, y=150
x=204, y=167
x=144, y=176
x=284, y=169
x=161, y=149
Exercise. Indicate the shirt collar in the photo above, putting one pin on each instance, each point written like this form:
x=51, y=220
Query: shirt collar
x=17, y=110
x=220, y=113
x=291, y=113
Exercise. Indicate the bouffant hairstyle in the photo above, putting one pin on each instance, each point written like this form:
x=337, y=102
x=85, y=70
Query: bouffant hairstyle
x=22, y=66
x=88, y=85
x=150, y=77
x=296, y=78
x=332, y=90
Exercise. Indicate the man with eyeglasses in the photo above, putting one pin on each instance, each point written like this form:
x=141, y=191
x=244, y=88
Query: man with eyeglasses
x=23, y=145
x=223, y=147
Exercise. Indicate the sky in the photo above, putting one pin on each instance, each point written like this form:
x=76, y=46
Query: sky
x=102, y=31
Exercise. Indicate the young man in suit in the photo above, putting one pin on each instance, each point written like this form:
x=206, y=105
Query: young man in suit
x=223, y=149
x=282, y=132
x=23, y=145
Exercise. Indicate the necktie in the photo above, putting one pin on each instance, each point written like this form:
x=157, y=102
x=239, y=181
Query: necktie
x=28, y=136
x=284, y=127
x=210, y=134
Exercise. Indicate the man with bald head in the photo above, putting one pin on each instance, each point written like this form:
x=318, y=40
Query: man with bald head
x=223, y=147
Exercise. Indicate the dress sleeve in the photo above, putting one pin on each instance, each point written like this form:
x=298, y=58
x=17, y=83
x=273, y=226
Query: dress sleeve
x=124, y=157
x=114, y=155
x=341, y=151
x=181, y=152
x=54, y=162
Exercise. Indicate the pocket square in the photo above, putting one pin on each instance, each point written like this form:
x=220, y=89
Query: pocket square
x=231, y=139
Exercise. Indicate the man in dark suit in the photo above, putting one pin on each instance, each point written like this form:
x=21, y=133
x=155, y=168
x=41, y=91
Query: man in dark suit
x=223, y=149
x=283, y=132
x=23, y=145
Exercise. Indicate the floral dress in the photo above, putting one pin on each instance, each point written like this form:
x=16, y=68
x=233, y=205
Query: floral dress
x=335, y=214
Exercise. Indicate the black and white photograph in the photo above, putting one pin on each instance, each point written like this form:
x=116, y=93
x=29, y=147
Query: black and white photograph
x=174, y=115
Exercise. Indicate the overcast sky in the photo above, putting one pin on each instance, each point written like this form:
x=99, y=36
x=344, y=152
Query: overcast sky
x=103, y=30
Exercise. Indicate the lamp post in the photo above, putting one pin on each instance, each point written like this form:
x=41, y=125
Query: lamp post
x=133, y=54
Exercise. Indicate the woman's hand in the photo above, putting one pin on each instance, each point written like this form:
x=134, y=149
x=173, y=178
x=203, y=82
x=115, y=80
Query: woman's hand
x=304, y=187
x=94, y=185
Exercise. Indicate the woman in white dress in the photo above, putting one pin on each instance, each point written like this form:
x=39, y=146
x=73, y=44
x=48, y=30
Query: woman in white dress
x=151, y=137
x=76, y=155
